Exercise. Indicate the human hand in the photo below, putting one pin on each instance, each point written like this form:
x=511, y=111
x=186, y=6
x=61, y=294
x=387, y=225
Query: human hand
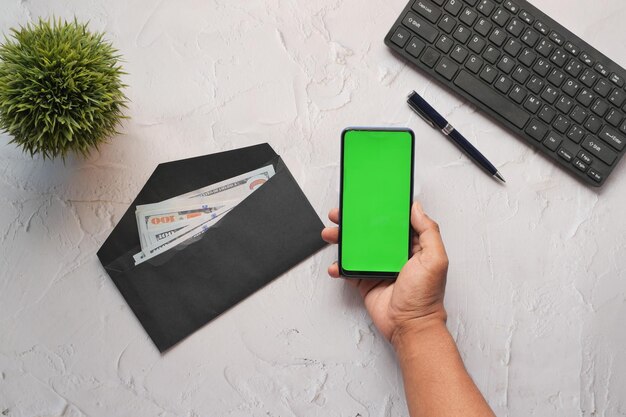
x=415, y=299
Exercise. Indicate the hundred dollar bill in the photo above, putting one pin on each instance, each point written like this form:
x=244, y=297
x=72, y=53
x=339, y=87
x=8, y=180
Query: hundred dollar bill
x=188, y=232
x=237, y=187
x=174, y=216
x=159, y=231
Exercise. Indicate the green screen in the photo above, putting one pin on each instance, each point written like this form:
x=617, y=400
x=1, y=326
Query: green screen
x=376, y=199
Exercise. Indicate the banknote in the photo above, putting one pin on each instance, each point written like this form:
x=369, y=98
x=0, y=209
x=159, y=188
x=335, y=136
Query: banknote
x=175, y=221
x=180, y=236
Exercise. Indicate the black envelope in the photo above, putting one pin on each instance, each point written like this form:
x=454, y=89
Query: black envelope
x=176, y=293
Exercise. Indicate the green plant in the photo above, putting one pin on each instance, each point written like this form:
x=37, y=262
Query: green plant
x=60, y=88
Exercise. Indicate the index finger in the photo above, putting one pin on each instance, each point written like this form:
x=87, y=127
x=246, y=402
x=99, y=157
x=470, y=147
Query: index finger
x=333, y=215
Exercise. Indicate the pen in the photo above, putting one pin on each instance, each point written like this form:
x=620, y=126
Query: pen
x=430, y=116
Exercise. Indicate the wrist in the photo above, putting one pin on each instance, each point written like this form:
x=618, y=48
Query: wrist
x=417, y=329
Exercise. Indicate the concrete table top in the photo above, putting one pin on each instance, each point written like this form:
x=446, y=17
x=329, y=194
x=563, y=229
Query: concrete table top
x=536, y=290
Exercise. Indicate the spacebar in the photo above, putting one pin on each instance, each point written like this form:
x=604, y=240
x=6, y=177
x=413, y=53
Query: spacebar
x=483, y=93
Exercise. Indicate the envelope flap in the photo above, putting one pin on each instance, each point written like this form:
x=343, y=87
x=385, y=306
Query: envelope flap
x=177, y=177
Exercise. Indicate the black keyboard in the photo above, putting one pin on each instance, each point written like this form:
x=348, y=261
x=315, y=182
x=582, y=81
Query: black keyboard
x=525, y=70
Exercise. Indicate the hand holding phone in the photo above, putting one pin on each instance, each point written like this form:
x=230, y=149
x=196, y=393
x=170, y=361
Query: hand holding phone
x=375, y=201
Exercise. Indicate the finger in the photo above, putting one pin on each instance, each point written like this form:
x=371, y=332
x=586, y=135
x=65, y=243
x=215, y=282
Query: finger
x=333, y=270
x=333, y=215
x=331, y=234
x=429, y=236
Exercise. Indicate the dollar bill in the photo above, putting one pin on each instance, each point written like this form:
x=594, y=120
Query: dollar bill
x=184, y=234
x=177, y=220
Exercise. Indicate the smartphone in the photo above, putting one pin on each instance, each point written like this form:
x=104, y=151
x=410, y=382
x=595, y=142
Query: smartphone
x=376, y=193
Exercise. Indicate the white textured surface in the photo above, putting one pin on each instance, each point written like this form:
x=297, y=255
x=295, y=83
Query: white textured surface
x=537, y=283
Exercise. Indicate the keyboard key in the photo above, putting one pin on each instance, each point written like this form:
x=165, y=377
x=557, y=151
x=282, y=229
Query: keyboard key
x=532, y=104
x=595, y=175
x=498, y=37
x=535, y=84
x=561, y=124
x=471, y=2
x=462, y=34
x=556, y=77
x=547, y=114
x=526, y=17
x=556, y=38
x=613, y=137
x=614, y=118
x=459, y=54
x=510, y=6
x=541, y=27
x=589, y=77
x=428, y=10
x=447, y=24
x=574, y=67
x=468, y=16
x=550, y=94
x=580, y=165
x=453, y=7
x=491, y=54
x=476, y=44
x=515, y=27
x=444, y=44
x=430, y=57
x=447, y=68
x=527, y=57
x=521, y=74
x=438, y=2
x=586, y=59
x=503, y=84
x=499, y=104
x=486, y=7
x=617, y=97
x=506, y=64
x=518, y=94
x=530, y=37
x=559, y=58
x=593, y=124
x=623, y=127
x=545, y=48
x=599, y=149
x=541, y=67
x=474, y=64
x=571, y=87
x=483, y=26
x=488, y=74
x=400, y=37
x=565, y=104
x=415, y=47
x=565, y=154
x=617, y=80
x=536, y=130
x=600, y=107
x=579, y=114
x=603, y=88
x=572, y=49
x=420, y=27
x=512, y=47
x=501, y=16
x=576, y=134
x=585, y=97
x=601, y=69
x=585, y=157
x=552, y=141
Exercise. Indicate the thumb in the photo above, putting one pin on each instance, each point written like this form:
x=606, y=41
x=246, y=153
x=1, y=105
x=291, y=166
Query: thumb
x=427, y=230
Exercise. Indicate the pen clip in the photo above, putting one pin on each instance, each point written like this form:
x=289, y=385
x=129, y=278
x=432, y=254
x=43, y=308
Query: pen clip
x=419, y=111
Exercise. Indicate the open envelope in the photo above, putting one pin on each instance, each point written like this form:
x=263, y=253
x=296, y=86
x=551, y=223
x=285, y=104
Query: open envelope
x=176, y=293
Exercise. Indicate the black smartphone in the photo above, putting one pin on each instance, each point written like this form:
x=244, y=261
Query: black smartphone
x=376, y=193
